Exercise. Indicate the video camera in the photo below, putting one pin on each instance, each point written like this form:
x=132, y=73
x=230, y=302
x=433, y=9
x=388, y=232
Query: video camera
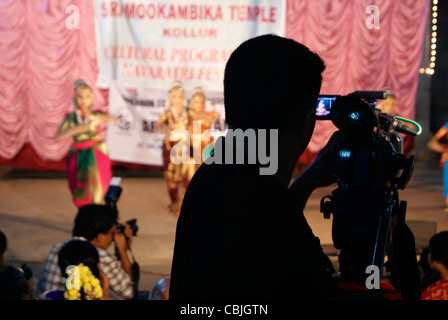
x=368, y=218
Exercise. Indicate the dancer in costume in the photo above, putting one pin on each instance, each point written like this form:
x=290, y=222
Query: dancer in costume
x=88, y=165
x=435, y=145
x=199, y=122
x=174, y=122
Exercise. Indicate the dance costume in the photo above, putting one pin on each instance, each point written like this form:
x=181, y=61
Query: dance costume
x=88, y=165
x=198, y=125
x=174, y=174
x=444, y=164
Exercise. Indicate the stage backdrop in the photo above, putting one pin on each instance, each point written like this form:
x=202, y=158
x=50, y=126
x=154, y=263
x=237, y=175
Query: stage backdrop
x=151, y=43
x=132, y=139
x=46, y=45
x=146, y=45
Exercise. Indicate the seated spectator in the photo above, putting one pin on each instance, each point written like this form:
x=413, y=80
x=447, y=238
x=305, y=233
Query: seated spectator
x=97, y=224
x=438, y=261
x=13, y=283
x=80, y=259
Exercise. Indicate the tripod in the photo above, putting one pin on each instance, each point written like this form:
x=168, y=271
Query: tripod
x=367, y=226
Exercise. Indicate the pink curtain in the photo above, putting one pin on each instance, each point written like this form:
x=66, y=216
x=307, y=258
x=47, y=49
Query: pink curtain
x=40, y=58
x=359, y=58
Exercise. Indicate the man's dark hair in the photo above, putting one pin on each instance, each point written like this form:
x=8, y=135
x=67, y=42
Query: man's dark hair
x=94, y=219
x=75, y=252
x=3, y=243
x=257, y=75
x=438, y=247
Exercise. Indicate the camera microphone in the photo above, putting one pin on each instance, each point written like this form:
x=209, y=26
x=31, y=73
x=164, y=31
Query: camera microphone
x=401, y=127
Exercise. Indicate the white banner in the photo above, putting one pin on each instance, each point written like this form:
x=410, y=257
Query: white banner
x=132, y=139
x=151, y=43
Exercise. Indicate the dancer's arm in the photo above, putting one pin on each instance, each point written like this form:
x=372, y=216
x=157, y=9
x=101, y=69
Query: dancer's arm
x=162, y=120
x=434, y=143
x=105, y=117
x=72, y=131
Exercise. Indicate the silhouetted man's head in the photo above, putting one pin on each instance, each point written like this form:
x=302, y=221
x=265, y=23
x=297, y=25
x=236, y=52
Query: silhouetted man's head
x=269, y=81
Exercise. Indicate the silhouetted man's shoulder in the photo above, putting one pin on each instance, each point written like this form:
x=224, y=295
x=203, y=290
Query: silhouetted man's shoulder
x=239, y=235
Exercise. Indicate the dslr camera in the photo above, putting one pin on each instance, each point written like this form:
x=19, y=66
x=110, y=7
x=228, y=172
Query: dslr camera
x=132, y=223
x=111, y=198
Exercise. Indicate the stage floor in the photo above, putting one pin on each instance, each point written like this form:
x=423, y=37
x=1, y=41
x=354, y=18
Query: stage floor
x=36, y=212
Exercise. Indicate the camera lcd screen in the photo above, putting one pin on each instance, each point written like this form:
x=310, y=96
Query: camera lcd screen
x=323, y=106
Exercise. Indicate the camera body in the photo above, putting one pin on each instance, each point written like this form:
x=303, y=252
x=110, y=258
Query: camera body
x=370, y=167
x=371, y=157
x=132, y=223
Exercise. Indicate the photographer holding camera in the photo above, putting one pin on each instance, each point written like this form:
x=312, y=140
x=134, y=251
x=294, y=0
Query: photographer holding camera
x=98, y=224
x=118, y=266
